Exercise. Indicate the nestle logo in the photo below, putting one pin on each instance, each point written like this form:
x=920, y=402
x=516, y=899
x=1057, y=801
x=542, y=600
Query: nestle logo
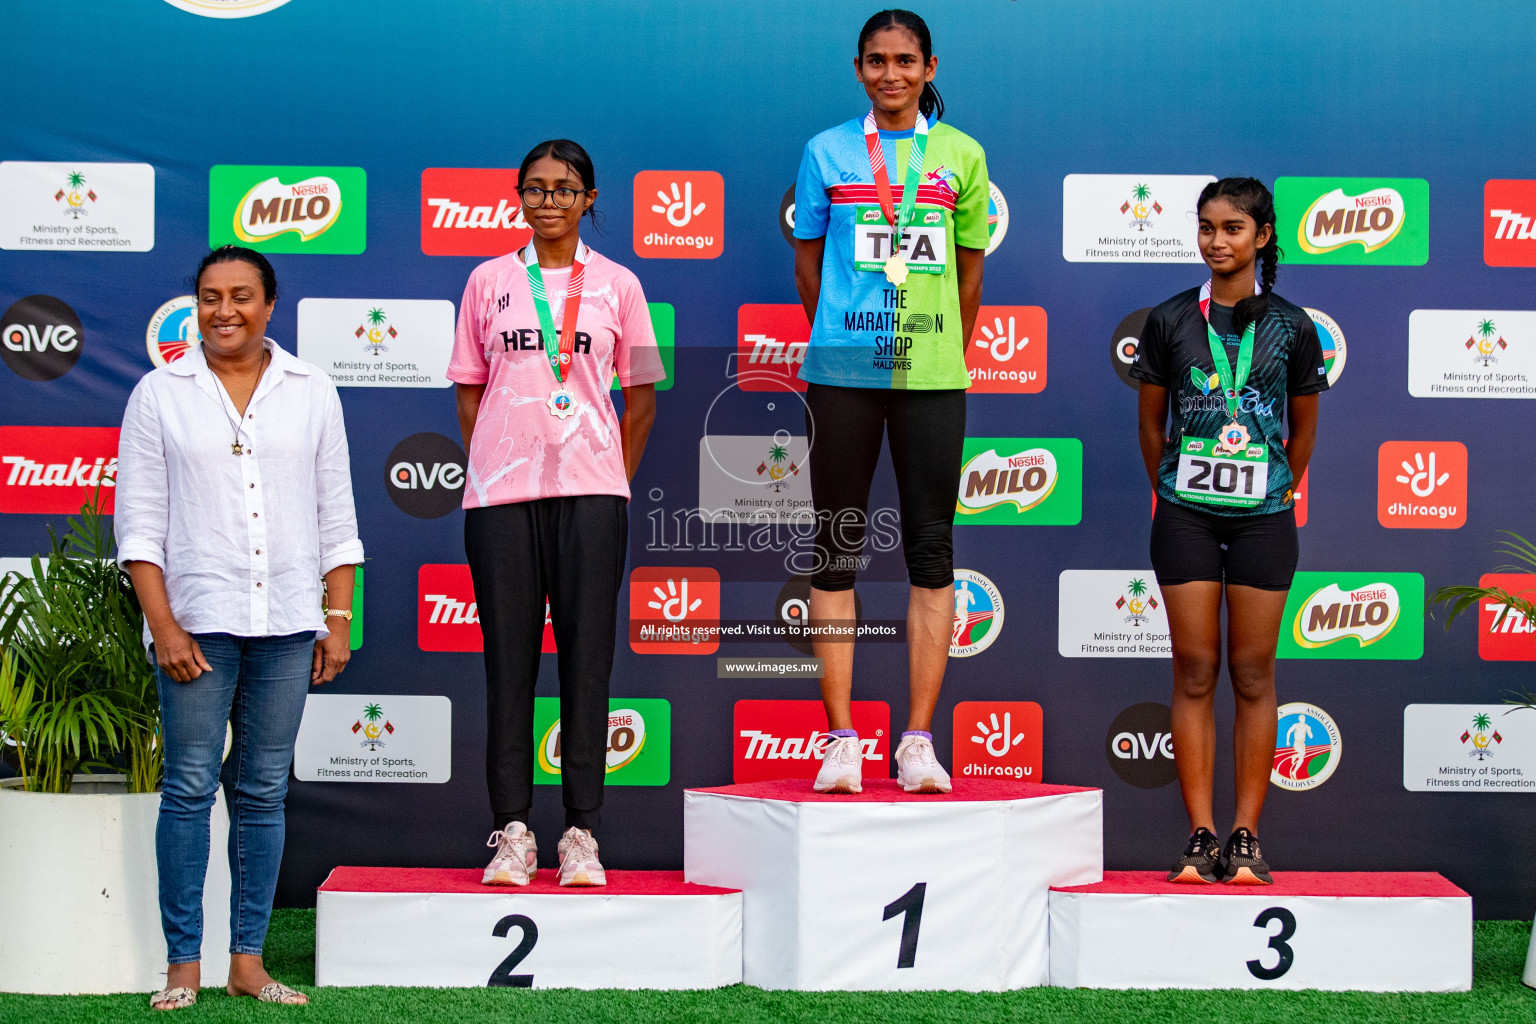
x=471, y=211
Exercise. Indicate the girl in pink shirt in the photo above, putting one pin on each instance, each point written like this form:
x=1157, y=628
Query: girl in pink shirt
x=541, y=334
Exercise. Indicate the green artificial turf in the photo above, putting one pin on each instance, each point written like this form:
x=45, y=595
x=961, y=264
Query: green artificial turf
x=1497, y=996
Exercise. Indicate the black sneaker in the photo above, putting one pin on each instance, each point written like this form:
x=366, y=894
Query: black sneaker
x=1243, y=863
x=1201, y=862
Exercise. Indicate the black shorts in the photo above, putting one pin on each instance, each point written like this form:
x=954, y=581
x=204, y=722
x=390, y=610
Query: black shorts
x=1251, y=551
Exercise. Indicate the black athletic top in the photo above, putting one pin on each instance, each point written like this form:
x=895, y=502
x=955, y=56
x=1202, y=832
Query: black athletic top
x=1175, y=353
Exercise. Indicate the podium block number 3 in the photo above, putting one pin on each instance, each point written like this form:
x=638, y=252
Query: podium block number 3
x=502, y=976
x=1277, y=942
x=910, y=905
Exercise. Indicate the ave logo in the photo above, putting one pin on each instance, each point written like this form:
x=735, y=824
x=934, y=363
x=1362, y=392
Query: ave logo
x=674, y=610
x=1139, y=745
x=679, y=215
x=471, y=211
x=1504, y=631
x=425, y=478
x=1354, y=615
x=785, y=739
x=1421, y=484
x=1007, y=350
x=997, y=739
x=40, y=338
x=771, y=340
x=1509, y=223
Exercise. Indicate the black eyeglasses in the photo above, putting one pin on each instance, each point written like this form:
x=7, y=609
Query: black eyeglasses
x=534, y=197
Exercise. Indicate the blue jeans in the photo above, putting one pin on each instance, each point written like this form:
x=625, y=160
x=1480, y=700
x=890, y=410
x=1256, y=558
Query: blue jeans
x=258, y=685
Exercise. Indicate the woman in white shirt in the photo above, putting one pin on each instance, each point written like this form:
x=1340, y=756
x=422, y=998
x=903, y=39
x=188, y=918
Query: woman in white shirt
x=234, y=499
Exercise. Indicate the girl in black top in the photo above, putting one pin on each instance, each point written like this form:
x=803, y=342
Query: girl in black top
x=1218, y=368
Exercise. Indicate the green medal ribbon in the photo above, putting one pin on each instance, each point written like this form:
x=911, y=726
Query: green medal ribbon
x=557, y=347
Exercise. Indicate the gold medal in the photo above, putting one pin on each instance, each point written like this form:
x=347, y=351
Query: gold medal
x=896, y=270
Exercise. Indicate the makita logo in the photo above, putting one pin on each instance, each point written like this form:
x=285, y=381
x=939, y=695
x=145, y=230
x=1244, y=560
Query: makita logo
x=447, y=610
x=447, y=617
x=1366, y=613
x=1506, y=632
x=990, y=479
x=53, y=470
x=764, y=746
x=771, y=350
x=1511, y=224
x=450, y=214
x=468, y=211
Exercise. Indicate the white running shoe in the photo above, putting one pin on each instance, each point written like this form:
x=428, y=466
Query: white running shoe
x=917, y=769
x=517, y=857
x=842, y=766
x=578, y=859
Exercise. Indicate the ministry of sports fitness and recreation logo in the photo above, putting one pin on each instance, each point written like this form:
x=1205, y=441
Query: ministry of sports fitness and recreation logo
x=997, y=739
x=172, y=330
x=1140, y=207
x=777, y=466
x=978, y=614
x=1007, y=350
x=226, y=8
x=1021, y=480
x=1468, y=748
x=41, y=338
x=679, y=214
x=52, y=470
x=1110, y=613
x=1122, y=218
x=1307, y=747
x=471, y=211
x=372, y=726
x=1383, y=221
x=1509, y=223
x=1421, y=485
x=1138, y=603
x=785, y=739
x=1139, y=745
x=289, y=209
x=639, y=748
x=1355, y=616
x=101, y=207
x=378, y=343
x=1454, y=353
x=425, y=475
x=1481, y=739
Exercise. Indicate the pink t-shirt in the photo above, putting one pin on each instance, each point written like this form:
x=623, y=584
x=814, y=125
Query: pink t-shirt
x=520, y=451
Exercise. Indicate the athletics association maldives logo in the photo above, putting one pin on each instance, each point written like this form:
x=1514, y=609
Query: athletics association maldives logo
x=172, y=331
x=289, y=209
x=1307, y=747
x=997, y=218
x=1482, y=738
x=226, y=8
x=1007, y=350
x=679, y=215
x=369, y=726
x=1354, y=615
x=978, y=614
x=1331, y=337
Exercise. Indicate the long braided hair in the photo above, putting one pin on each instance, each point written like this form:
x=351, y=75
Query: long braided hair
x=1251, y=197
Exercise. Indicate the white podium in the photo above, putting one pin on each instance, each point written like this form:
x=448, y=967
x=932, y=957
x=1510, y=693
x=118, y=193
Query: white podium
x=440, y=927
x=890, y=891
x=1388, y=932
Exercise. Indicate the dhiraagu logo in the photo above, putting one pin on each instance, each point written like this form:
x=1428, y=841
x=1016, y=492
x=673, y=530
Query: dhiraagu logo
x=289, y=209
x=1034, y=481
x=1382, y=221
x=639, y=742
x=1354, y=615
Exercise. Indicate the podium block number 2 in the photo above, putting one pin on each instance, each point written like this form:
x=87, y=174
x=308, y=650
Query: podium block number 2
x=1277, y=942
x=910, y=905
x=502, y=976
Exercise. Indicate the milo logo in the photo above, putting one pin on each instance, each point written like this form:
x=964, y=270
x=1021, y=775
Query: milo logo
x=1020, y=481
x=289, y=209
x=1024, y=479
x=1335, y=220
x=1383, y=221
x=626, y=738
x=639, y=742
x=1354, y=615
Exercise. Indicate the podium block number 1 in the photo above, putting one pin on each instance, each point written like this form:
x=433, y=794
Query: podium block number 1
x=502, y=976
x=910, y=905
x=1277, y=942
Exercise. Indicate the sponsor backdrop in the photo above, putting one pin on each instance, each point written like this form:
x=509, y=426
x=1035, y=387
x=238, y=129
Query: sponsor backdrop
x=379, y=169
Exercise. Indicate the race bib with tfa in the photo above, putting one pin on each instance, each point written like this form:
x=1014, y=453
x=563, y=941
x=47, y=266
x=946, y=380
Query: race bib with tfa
x=1210, y=475
x=923, y=243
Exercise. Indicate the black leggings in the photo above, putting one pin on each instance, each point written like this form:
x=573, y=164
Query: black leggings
x=927, y=436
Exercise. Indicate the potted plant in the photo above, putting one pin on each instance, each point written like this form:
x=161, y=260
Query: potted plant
x=1458, y=599
x=79, y=707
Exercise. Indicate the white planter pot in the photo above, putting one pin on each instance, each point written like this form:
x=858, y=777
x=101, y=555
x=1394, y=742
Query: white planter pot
x=79, y=904
x=1530, y=962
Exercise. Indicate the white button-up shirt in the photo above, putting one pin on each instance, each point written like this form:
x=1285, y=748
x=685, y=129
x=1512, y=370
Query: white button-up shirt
x=243, y=539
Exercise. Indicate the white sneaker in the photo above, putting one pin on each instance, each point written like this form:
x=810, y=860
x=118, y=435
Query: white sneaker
x=517, y=857
x=578, y=859
x=917, y=769
x=842, y=766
